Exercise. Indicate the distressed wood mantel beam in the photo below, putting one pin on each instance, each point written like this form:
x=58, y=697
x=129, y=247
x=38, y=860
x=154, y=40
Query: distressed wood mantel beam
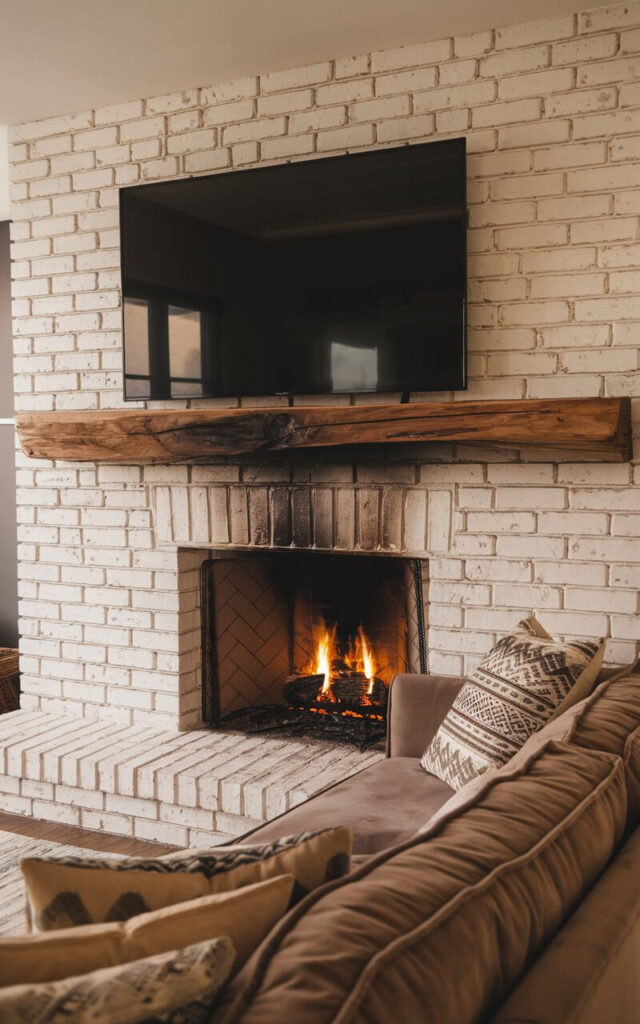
x=594, y=427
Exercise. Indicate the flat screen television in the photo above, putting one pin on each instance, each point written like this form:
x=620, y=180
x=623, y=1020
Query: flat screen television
x=323, y=276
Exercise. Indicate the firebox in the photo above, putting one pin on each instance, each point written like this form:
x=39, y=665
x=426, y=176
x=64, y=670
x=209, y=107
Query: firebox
x=309, y=641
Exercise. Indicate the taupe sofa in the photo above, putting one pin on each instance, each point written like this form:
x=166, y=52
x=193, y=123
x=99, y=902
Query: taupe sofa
x=586, y=968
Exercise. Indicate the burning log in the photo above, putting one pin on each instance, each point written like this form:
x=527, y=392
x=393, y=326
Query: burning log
x=357, y=689
x=380, y=693
x=302, y=690
x=351, y=690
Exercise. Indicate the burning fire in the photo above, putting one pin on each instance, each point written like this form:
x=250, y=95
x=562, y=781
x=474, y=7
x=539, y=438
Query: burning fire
x=359, y=658
x=340, y=679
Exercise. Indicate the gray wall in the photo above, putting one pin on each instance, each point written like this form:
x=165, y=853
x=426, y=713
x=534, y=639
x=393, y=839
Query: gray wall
x=8, y=542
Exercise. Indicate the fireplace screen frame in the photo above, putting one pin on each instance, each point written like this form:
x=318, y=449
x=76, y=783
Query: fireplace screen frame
x=211, y=709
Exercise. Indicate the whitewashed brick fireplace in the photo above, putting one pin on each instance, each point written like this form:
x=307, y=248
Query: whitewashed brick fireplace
x=376, y=519
x=109, y=555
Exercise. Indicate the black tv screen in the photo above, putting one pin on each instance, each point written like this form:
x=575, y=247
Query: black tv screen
x=324, y=276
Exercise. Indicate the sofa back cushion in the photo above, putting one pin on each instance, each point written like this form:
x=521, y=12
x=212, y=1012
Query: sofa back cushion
x=588, y=974
x=441, y=927
x=609, y=719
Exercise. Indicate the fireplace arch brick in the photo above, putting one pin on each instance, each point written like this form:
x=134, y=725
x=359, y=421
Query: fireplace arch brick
x=396, y=520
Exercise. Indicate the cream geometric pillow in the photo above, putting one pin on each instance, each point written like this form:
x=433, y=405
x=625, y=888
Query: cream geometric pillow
x=525, y=680
x=179, y=987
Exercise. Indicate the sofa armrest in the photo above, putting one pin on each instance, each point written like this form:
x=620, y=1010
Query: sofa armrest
x=417, y=705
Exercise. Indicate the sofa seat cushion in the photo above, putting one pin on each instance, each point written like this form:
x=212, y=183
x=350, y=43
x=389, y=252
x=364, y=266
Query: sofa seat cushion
x=382, y=805
x=441, y=927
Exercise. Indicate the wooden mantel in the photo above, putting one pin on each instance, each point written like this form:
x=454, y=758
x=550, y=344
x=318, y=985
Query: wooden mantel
x=591, y=427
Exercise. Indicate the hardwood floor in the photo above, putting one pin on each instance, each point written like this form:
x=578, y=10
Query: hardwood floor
x=73, y=836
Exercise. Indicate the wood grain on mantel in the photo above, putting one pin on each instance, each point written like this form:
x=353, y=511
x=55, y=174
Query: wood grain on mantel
x=594, y=427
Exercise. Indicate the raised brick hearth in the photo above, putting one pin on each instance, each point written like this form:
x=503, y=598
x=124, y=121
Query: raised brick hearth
x=193, y=788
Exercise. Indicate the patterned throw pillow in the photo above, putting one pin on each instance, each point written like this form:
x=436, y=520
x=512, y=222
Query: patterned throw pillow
x=526, y=679
x=245, y=916
x=67, y=891
x=174, y=988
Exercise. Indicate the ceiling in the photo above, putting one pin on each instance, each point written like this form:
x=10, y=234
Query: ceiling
x=59, y=56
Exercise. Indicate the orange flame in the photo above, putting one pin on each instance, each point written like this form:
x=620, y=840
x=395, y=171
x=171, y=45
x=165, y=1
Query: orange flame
x=368, y=664
x=360, y=656
x=323, y=655
x=323, y=660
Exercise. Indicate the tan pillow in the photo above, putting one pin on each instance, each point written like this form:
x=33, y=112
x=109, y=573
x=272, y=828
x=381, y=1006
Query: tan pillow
x=441, y=927
x=520, y=684
x=177, y=986
x=63, y=892
x=580, y=692
x=245, y=916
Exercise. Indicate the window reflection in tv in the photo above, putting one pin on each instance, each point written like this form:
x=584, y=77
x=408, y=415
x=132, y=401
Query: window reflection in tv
x=352, y=368
x=328, y=276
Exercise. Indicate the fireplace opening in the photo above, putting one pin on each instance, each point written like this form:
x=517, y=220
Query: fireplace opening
x=309, y=641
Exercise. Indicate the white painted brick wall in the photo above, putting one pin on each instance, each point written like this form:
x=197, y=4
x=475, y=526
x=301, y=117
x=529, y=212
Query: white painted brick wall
x=551, y=113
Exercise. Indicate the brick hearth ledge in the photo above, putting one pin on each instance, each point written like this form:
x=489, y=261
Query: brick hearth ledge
x=191, y=789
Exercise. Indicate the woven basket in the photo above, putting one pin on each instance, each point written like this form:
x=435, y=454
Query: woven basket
x=9, y=680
